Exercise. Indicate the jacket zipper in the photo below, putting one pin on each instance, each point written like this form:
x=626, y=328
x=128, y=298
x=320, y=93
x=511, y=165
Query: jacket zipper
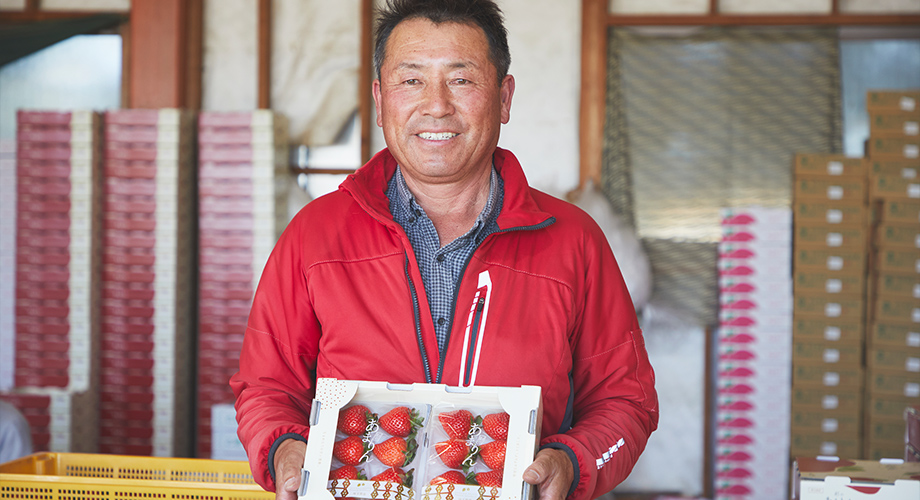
x=466, y=264
x=474, y=335
x=418, y=323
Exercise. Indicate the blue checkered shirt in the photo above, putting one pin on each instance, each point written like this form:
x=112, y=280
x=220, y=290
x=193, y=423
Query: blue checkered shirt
x=442, y=267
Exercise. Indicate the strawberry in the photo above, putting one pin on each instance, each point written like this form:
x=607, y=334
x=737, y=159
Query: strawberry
x=492, y=478
x=346, y=472
x=353, y=420
x=496, y=425
x=493, y=454
x=349, y=451
x=400, y=421
x=394, y=475
x=453, y=453
x=456, y=423
x=396, y=452
x=450, y=477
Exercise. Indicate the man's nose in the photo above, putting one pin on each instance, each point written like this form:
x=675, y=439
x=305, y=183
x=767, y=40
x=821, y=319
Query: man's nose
x=437, y=100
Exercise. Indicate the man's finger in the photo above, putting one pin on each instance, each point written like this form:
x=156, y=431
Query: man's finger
x=288, y=465
x=552, y=473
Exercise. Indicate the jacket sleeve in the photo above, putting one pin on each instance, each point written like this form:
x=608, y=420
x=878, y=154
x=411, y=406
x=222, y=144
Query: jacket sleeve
x=275, y=384
x=615, y=403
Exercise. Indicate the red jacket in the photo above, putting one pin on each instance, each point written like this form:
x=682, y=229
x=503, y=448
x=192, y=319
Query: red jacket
x=341, y=296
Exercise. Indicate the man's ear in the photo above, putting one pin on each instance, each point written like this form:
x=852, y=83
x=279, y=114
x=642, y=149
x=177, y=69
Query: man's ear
x=506, y=92
x=375, y=87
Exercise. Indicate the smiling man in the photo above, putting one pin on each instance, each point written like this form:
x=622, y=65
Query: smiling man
x=437, y=246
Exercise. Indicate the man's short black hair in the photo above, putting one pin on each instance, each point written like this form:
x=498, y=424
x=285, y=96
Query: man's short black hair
x=482, y=13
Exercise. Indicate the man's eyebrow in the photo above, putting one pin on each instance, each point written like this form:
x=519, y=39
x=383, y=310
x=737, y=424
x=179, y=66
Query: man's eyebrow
x=452, y=65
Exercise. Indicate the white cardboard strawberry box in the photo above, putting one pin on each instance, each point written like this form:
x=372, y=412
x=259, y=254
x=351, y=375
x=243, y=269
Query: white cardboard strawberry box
x=420, y=441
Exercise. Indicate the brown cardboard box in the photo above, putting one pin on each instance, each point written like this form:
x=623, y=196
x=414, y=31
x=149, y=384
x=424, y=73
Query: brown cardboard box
x=892, y=187
x=822, y=305
x=899, y=384
x=826, y=422
x=814, y=282
x=823, y=235
x=831, y=212
x=894, y=123
x=897, y=285
x=885, y=430
x=840, y=260
x=893, y=100
x=897, y=310
x=830, y=330
x=827, y=399
x=808, y=442
x=837, y=355
x=898, y=336
x=900, y=211
x=820, y=375
x=877, y=450
x=897, y=359
x=831, y=165
x=908, y=168
x=897, y=261
x=894, y=148
x=898, y=235
x=887, y=407
x=823, y=188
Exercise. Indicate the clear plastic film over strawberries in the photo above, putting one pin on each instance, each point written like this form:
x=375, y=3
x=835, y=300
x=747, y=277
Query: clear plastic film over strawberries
x=420, y=441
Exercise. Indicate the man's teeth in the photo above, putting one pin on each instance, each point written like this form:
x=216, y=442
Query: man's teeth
x=436, y=136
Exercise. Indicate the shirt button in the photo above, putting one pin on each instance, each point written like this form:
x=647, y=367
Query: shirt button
x=441, y=258
x=411, y=220
x=441, y=321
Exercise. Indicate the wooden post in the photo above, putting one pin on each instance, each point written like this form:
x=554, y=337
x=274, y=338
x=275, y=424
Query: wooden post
x=365, y=77
x=593, y=88
x=265, y=54
x=165, y=54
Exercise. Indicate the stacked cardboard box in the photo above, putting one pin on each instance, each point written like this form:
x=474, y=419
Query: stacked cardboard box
x=243, y=167
x=147, y=283
x=829, y=275
x=56, y=325
x=753, y=378
x=893, y=327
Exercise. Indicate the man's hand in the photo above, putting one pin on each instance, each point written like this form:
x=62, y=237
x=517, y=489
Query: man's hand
x=552, y=473
x=288, y=464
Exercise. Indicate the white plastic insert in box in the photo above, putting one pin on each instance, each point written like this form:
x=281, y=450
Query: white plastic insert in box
x=522, y=404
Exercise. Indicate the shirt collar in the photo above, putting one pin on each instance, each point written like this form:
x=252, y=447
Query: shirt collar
x=407, y=208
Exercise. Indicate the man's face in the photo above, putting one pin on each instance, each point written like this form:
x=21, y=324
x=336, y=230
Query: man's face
x=439, y=100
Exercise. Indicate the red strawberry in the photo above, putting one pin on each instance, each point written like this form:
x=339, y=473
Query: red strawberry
x=349, y=451
x=353, y=420
x=456, y=423
x=393, y=475
x=395, y=452
x=493, y=454
x=496, y=425
x=453, y=453
x=346, y=472
x=492, y=478
x=400, y=421
x=450, y=477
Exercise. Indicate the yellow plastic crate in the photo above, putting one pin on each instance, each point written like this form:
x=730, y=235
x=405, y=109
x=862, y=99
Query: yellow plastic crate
x=83, y=476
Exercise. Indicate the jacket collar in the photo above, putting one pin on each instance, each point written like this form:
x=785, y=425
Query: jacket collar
x=369, y=183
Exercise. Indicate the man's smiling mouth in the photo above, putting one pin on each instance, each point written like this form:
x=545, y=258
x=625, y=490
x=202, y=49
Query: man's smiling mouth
x=437, y=136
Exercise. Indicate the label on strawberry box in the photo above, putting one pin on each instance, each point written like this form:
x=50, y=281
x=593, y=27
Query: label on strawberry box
x=420, y=441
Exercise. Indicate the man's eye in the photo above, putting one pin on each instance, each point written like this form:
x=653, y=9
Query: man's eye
x=412, y=81
x=461, y=81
